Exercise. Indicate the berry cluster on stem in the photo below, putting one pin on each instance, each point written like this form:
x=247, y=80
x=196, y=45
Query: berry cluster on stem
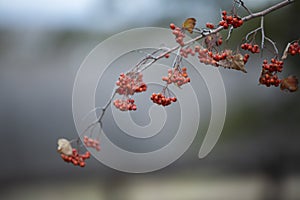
x=250, y=47
x=161, y=99
x=177, y=76
x=294, y=48
x=268, y=75
x=90, y=142
x=76, y=158
x=179, y=34
x=228, y=20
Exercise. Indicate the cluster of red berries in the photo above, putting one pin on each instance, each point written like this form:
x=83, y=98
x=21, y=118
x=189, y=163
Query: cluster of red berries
x=294, y=48
x=76, y=158
x=268, y=79
x=208, y=57
x=210, y=25
x=250, y=47
x=130, y=83
x=177, y=76
x=235, y=21
x=217, y=57
x=161, y=99
x=186, y=51
x=268, y=75
x=90, y=142
x=205, y=58
x=178, y=34
x=125, y=104
x=274, y=66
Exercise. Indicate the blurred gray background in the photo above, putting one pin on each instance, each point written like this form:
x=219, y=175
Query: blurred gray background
x=43, y=43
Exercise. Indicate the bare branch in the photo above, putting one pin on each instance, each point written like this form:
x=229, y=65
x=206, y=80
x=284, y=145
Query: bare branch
x=252, y=32
x=262, y=34
x=274, y=45
x=229, y=33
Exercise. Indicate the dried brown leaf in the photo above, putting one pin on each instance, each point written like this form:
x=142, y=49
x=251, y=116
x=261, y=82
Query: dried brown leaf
x=64, y=146
x=233, y=61
x=290, y=83
x=189, y=24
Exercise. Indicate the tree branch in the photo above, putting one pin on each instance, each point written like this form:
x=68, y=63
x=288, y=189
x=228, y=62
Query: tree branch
x=220, y=28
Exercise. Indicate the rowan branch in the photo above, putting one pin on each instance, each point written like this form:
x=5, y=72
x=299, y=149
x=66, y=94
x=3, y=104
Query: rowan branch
x=204, y=34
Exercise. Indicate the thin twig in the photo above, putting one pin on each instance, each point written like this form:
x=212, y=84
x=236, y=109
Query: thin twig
x=274, y=45
x=106, y=106
x=241, y=3
x=262, y=34
x=252, y=32
x=229, y=33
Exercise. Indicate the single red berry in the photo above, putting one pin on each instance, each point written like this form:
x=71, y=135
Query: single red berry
x=221, y=23
x=293, y=52
x=235, y=20
x=220, y=41
x=273, y=60
x=82, y=164
x=172, y=26
x=225, y=26
x=74, y=161
x=229, y=19
x=224, y=55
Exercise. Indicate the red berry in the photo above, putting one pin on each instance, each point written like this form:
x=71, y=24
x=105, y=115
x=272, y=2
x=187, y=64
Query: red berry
x=293, y=52
x=220, y=41
x=74, y=161
x=82, y=164
x=241, y=22
x=229, y=19
x=221, y=23
x=172, y=26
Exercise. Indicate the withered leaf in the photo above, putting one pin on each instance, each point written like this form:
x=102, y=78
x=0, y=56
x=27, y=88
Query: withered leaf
x=290, y=83
x=64, y=146
x=189, y=24
x=233, y=61
x=238, y=63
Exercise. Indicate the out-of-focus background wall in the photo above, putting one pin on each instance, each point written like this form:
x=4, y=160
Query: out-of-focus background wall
x=42, y=44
